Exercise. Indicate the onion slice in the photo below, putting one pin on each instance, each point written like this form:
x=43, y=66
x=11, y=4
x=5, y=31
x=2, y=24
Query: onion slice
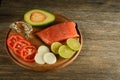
x=49, y=58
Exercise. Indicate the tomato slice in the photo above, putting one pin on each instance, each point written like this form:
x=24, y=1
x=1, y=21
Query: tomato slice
x=28, y=53
x=19, y=45
x=12, y=39
x=22, y=48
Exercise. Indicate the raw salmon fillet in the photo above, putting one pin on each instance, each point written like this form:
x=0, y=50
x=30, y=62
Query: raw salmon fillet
x=58, y=32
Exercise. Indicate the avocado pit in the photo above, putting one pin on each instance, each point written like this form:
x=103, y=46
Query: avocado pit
x=37, y=17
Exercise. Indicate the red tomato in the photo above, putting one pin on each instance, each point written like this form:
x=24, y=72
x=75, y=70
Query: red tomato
x=28, y=53
x=22, y=48
x=19, y=45
x=12, y=39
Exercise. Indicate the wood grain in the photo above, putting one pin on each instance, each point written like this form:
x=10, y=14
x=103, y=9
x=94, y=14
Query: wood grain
x=99, y=22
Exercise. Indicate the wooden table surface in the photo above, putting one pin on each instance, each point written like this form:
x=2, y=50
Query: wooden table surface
x=99, y=22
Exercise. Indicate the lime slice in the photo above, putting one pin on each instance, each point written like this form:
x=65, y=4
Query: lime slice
x=73, y=43
x=49, y=58
x=55, y=46
x=65, y=51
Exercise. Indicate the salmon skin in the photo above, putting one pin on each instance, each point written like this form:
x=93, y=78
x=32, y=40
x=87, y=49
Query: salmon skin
x=58, y=32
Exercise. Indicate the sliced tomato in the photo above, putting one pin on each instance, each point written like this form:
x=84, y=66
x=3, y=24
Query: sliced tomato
x=22, y=48
x=28, y=53
x=12, y=39
x=19, y=45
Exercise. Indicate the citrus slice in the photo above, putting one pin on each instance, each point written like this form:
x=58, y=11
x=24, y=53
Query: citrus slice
x=55, y=46
x=73, y=43
x=65, y=51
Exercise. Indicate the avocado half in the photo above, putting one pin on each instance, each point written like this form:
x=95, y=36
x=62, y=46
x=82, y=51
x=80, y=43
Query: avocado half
x=38, y=17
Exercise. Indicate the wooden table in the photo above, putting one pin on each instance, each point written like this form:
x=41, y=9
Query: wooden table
x=99, y=22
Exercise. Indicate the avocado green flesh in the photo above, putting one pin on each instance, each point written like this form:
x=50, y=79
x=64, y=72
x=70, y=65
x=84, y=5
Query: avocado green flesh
x=49, y=18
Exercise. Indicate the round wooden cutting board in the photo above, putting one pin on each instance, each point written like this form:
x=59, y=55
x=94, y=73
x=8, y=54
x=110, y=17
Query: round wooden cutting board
x=37, y=42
